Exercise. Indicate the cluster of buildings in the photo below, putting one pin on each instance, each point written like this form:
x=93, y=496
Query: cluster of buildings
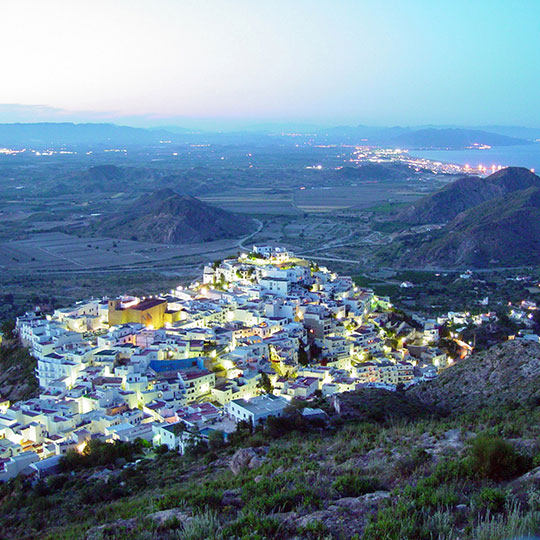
x=363, y=154
x=256, y=332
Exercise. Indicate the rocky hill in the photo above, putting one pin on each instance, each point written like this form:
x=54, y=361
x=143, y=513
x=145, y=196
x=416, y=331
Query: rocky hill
x=376, y=172
x=502, y=232
x=489, y=222
x=467, y=192
x=169, y=218
x=505, y=374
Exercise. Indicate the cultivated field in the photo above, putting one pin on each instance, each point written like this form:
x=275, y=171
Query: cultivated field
x=259, y=201
x=327, y=199
x=49, y=252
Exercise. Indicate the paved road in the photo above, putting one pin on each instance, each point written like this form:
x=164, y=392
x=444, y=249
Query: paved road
x=241, y=242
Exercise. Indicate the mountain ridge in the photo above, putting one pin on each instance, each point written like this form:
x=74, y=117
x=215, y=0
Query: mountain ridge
x=467, y=192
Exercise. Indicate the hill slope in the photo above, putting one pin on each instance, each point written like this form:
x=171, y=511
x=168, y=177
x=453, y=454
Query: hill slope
x=465, y=193
x=503, y=232
x=167, y=217
x=504, y=374
x=17, y=379
x=102, y=178
x=376, y=172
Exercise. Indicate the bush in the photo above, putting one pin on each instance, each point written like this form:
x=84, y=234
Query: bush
x=492, y=499
x=253, y=525
x=98, y=453
x=350, y=485
x=495, y=458
x=408, y=464
x=279, y=494
x=216, y=439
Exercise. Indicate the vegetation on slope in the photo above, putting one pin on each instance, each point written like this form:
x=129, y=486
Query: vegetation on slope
x=504, y=375
x=17, y=377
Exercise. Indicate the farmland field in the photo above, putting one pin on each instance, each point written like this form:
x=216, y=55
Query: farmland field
x=257, y=201
x=60, y=252
x=327, y=199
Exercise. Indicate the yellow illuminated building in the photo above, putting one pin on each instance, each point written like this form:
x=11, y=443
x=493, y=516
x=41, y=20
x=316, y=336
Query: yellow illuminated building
x=149, y=312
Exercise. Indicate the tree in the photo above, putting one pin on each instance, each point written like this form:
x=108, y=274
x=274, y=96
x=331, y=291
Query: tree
x=303, y=358
x=315, y=350
x=265, y=383
x=7, y=328
x=444, y=331
x=216, y=439
x=536, y=319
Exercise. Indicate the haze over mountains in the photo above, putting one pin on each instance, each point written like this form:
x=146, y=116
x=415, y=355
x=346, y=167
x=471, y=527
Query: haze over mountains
x=493, y=221
x=92, y=134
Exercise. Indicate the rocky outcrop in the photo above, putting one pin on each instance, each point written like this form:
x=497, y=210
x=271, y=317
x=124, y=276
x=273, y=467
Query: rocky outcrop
x=164, y=517
x=111, y=530
x=245, y=458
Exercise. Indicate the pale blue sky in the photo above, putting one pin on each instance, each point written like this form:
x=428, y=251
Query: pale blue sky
x=381, y=62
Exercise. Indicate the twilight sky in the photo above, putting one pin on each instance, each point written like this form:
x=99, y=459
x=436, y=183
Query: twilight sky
x=379, y=62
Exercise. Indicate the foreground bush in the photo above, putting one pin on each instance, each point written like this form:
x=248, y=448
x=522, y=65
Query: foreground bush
x=351, y=485
x=497, y=459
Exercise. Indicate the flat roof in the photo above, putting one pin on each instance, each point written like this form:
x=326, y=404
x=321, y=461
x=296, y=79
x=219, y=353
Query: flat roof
x=263, y=404
x=148, y=304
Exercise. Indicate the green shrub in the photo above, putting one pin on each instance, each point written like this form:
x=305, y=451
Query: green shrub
x=351, y=485
x=279, y=494
x=253, y=525
x=408, y=464
x=205, y=526
x=314, y=530
x=425, y=494
x=448, y=470
x=492, y=499
x=397, y=522
x=494, y=458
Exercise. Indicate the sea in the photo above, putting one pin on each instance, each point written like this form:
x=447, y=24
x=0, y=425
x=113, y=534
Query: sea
x=505, y=156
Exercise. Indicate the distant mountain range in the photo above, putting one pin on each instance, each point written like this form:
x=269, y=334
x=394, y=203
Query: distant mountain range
x=166, y=217
x=434, y=138
x=98, y=134
x=454, y=139
x=65, y=133
x=493, y=221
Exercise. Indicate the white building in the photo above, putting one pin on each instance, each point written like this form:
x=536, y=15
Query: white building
x=256, y=410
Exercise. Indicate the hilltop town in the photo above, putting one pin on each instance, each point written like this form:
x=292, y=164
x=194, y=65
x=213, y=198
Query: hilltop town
x=255, y=333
